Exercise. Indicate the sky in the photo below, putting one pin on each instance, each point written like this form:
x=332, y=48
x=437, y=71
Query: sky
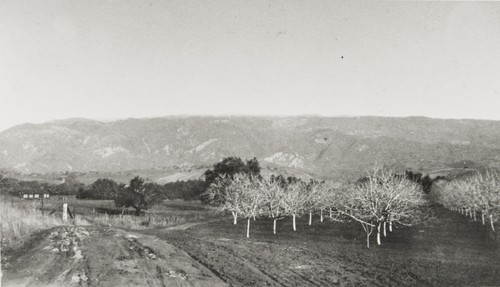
x=120, y=59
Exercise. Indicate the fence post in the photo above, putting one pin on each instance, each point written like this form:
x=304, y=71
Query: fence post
x=65, y=212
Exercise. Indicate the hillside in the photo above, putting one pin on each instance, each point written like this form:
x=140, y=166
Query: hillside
x=330, y=147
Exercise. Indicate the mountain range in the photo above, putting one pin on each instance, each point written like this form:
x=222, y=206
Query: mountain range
x=328, y=147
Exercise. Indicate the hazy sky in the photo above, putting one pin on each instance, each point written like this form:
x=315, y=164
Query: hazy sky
x=119, y=59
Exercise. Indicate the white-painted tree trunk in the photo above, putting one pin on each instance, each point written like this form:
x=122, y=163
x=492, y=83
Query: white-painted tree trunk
x=310, y=218
x=491, y=222
x=321, y=215
x=274, y=226
x=254, y=217
x=474, y=215
x=294, y=226
x=385, y=232
x=248, y=227
x=65, y=212
x=331, y=213
x=235, y=217
x=390, y=226
x=482, y=218
x=378, y=234
x=368, y=240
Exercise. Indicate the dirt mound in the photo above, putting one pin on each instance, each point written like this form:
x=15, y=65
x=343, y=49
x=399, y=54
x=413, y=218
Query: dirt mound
x=91, y=256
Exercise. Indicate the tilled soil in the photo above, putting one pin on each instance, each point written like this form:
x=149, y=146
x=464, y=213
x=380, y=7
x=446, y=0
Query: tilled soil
x=448, y=251
x=83, y=256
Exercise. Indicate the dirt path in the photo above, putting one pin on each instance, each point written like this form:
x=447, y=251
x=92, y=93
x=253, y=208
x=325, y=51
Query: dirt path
x=98, y=256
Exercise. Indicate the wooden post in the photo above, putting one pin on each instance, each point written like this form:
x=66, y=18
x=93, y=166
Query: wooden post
x=65, y=212
x=42, y=206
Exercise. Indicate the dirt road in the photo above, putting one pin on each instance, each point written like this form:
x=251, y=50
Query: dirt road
x=100, y=256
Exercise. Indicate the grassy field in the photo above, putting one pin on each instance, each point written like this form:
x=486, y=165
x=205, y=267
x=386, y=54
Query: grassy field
x=104, y=212
x=22, y=218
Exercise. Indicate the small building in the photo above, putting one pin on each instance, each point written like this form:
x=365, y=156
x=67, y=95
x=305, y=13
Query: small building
x=32, y=195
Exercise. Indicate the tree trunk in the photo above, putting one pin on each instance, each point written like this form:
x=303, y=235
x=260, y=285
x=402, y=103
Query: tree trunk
x=368, y=240
x=331, y=213
x=491, y=222
x=294, y=227
x=254, y=217
x=274, y=226
x=310, y=218
x=65, y=212
x=474, y=214
x=378, y=233
x=390, y=226
x=248, y=227
x=482, y=217
x=235, y=217
x=385, y=232
x=321, y=215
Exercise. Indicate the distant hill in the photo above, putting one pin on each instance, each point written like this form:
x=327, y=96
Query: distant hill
x=329, y=147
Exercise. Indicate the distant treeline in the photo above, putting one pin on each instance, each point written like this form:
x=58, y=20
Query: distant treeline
x=101, y=189
x=108, y=189
x=425, y=181
x=16, y=187
x=104, y=188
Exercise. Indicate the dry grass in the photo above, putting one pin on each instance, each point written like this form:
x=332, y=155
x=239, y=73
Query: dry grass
x=135, y=222
x=22, y=218
x=160, y=217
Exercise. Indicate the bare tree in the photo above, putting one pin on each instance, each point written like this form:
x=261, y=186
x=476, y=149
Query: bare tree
x=293, y=201
x=273, y=195
x=313, y=197
x=390, y=197
x=468, y=195
x=224, y=196
x=240, y=194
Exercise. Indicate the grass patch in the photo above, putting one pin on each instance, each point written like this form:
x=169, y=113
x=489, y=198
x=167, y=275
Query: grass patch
x=22, y=218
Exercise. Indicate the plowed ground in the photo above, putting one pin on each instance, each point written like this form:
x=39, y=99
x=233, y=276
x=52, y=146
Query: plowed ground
x=449, y=251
